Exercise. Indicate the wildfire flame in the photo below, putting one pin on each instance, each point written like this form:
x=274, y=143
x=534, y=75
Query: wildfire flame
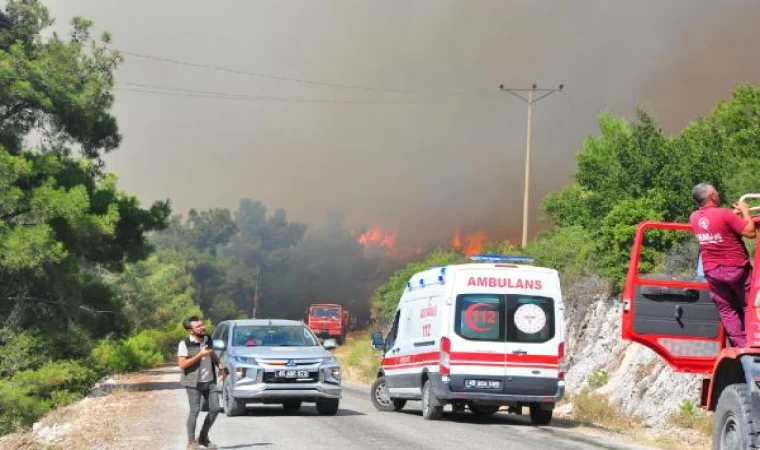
x=377, y=236
x=469, y=244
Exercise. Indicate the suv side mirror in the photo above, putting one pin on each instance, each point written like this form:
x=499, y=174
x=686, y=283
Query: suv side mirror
x=218, y=344
x=330, y=344
x=377, y=341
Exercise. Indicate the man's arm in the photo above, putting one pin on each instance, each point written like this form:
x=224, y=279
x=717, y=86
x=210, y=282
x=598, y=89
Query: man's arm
x=185, y=362
x=749, y=228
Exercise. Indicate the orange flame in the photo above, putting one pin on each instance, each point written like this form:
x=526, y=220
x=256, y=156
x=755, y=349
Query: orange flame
x=469, y=244
x=376, y=236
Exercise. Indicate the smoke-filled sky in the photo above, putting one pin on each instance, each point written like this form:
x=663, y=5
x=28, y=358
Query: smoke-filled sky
x=447, y=152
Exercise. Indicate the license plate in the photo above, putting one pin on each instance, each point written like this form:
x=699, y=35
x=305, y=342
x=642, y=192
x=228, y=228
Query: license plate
x=482, y=384
x=292, y=374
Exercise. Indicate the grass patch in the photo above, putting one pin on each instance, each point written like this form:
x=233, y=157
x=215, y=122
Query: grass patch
x=595, y=409
x=358, y=360
x=690, y=415
x=597, y=379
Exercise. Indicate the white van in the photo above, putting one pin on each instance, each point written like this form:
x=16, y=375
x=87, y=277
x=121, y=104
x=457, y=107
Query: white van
x=480, y=335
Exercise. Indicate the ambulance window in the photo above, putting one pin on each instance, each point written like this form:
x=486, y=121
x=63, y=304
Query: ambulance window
x=479, y=317
x=391, y=338
x=529, y=318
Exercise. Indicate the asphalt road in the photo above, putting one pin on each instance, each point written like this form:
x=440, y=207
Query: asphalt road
x=359, y=426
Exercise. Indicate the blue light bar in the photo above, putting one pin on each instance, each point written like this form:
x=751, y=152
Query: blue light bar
x=514, y=259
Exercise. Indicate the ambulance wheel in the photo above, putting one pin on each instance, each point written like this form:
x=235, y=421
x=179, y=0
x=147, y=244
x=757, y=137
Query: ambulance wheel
x=430, y=409
x=328, y=407
x=539, y=415
x=731, y=421
x=483, y=410
x=381, y=398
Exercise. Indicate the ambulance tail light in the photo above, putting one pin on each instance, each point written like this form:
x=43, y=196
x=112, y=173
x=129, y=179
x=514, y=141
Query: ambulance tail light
x=445, y=359
x=561, y=353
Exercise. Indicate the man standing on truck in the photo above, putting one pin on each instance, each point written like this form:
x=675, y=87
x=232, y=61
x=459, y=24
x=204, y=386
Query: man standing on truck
x=725, y=259
x=197, y=361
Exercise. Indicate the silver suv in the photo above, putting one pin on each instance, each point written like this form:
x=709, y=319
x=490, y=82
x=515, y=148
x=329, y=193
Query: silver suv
x=276, y=362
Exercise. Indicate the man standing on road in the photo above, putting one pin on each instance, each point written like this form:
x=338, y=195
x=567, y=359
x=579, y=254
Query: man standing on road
x=725, y=259
x=197, y=361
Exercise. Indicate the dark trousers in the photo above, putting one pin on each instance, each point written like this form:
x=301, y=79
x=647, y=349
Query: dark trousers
x=206, y=394
x=729, y=287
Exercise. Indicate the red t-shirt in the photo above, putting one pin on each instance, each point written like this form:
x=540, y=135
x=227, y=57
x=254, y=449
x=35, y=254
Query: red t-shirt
x=718, y=232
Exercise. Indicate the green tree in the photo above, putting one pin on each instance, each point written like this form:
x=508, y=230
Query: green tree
x=62, y=219
x=633, y=172
x=386, y=297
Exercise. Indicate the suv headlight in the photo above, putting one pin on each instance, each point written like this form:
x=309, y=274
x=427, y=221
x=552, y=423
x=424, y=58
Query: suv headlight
x=245, y=359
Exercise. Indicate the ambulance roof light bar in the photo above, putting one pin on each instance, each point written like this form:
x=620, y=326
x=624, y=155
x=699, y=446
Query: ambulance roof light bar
x=514, y=259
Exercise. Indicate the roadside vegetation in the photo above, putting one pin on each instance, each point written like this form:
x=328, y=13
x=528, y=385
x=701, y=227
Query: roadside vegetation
x=92, y=282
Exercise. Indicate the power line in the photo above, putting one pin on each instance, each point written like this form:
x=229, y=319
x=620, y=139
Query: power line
x=273, y=76
x=283, y=78
x=153, y=89
x=252, y=98
x=245, y=96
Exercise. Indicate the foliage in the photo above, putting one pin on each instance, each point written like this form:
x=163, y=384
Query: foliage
x=31, y=393
x=689, y=415
x=141, y=350
x=595, y=409
x=633, y=172
x=597, y=379
x=386, y=297
x=62, y=218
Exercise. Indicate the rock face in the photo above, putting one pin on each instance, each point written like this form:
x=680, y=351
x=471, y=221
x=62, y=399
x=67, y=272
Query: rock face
x=634, y=378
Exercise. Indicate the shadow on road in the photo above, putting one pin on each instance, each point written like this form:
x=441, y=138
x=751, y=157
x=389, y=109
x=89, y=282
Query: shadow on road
x=501, y=418
x=153, y=386
x=305, y=411
x=241, y=446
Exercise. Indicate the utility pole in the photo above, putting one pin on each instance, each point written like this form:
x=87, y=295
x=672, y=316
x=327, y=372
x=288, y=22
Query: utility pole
x=256, y=294
x=534, y=94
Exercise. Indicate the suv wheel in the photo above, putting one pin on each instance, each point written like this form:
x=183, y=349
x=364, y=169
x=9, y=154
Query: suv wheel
x=292, y=405
x=232, y=406
x=328, y=407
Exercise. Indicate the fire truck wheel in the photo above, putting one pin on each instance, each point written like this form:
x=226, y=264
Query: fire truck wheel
x=430, y=410
x=539, y=415
x=381, y=398
x=731, y=422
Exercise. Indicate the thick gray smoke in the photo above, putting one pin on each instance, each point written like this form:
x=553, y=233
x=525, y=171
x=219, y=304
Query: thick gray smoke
x=451, y=154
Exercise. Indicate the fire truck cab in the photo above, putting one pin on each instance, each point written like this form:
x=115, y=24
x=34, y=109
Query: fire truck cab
x=676, y=318
x=481, y=335
x=329, y=320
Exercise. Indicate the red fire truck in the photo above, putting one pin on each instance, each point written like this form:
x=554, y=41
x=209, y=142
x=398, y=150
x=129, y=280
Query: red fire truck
x=677, y=319
x=329, y=320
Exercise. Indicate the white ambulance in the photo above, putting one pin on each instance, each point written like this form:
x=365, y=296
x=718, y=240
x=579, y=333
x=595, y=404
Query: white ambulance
x=481, y=335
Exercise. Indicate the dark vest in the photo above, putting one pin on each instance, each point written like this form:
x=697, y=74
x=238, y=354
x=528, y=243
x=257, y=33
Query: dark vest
x=189, y=377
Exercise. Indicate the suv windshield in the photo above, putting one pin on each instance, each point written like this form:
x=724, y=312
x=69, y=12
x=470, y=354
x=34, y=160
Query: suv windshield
x=325, y=313
x=273, y=336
